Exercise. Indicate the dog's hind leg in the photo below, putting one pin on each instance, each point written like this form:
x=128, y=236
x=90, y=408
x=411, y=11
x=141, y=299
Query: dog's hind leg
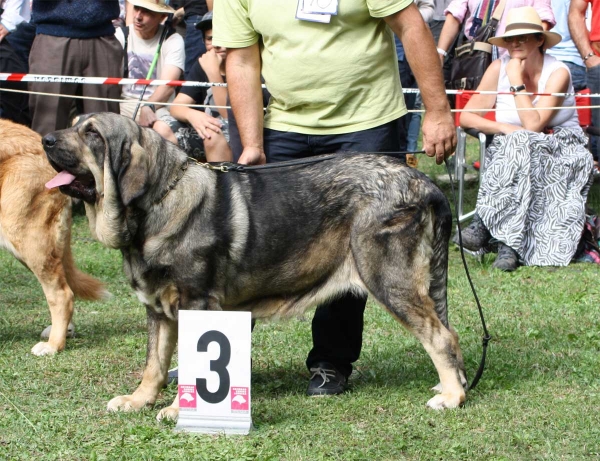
x=162, y=339
x=60, y=301
x=397, y=263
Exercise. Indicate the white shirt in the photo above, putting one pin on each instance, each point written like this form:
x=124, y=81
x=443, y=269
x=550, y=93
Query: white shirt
x=15, y=12
x=140, y=54
x=566, y=117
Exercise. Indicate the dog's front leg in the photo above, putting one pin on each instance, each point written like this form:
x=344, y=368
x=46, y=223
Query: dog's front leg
x=162, y=338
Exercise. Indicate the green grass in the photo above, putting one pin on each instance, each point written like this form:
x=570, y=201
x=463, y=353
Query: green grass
x=538, y=398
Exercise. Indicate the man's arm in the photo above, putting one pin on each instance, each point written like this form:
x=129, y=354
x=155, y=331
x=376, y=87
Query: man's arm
x=11, y=17
x=579, y=32
x=161, y=94
x=439, y=134
x=243, y=81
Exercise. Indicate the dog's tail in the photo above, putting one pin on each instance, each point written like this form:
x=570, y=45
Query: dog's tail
x=84, y=286
x=442, y=228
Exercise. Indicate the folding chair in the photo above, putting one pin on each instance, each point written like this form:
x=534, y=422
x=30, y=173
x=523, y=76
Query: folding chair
x=460, y=153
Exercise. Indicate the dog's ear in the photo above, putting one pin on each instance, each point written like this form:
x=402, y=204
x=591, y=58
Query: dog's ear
x=133, y=176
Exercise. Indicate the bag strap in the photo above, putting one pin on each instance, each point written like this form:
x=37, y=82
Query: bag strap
x=125, y=30
x=499, y=10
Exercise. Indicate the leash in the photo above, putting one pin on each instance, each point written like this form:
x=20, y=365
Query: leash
x=227, y=167
x=486, y=335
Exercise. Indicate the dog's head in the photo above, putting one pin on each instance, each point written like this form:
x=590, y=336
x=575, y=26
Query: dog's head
x=113, y=165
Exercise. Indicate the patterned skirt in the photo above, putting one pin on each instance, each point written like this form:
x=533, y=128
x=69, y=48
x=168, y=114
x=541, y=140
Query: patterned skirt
x=533, y=193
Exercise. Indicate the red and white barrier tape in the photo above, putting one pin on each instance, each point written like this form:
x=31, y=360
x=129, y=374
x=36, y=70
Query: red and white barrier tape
x=12, y=77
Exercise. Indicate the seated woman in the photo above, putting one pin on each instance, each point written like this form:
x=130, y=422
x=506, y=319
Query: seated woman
x=538, y=169
x=201, y=132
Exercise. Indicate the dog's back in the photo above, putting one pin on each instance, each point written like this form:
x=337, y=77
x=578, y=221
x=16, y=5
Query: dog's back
x=35, y=226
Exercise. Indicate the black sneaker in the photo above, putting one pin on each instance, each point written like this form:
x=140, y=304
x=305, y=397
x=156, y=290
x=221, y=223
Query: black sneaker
x=173, y=376
x=507, y=260
x=475, y=236
x=326, y=380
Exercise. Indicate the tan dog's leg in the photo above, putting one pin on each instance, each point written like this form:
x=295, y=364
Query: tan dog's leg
x=60, y=301
x=162, y=339
x=171, y=412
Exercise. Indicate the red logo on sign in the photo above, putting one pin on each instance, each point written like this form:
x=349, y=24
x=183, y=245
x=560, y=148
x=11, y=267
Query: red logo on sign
x=187, y=397
x=240, y=400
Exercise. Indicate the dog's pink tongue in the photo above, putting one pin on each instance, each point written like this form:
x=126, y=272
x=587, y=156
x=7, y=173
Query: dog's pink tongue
x=61, y=179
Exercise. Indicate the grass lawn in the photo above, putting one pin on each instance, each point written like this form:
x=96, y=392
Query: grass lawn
x=538, y=398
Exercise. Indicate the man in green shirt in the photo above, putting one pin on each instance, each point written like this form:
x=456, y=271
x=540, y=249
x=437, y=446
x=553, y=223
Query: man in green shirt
x=334, y=87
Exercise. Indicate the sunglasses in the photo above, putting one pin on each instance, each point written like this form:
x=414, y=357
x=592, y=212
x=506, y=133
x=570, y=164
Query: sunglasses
x=517, y=38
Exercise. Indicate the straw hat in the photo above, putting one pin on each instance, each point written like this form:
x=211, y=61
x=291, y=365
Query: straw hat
x=158, y=6
x=523, y=21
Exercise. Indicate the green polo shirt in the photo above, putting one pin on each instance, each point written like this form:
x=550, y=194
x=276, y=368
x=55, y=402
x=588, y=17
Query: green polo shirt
x=323, y=78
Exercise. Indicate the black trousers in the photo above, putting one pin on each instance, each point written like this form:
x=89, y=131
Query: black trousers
x=13, y=106
x=338, y=325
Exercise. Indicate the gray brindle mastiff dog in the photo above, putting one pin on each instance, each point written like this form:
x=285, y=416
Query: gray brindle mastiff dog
x=271, y=241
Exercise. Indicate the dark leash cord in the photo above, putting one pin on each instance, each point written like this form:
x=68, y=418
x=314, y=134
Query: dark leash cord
x=225, y=167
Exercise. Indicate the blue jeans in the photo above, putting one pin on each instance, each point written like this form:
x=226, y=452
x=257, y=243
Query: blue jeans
x=337, y=326
x=593, y=81
x=578, y=75
x=194, y=42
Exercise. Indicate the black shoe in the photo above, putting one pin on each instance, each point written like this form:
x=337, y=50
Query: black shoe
x=507, y=260
x=326, y=380
x=475, y=236
x=173, y=376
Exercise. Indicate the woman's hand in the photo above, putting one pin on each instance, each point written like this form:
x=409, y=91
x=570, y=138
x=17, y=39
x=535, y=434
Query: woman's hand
x=514, y=70
x=204, y=124
x=507, y=128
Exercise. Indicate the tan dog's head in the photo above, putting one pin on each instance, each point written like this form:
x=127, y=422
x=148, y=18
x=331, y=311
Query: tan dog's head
x=114, y=166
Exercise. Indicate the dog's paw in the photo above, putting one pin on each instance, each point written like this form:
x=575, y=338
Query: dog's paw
x=171, y=413
x=70, y=331
x=125, y=403
x=446, y=400
x=43, y=348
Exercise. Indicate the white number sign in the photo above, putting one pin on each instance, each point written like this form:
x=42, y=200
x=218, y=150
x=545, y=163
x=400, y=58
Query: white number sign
x=214, y=372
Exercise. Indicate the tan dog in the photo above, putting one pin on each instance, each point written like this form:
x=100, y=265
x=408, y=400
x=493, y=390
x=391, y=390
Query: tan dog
x=35, y=226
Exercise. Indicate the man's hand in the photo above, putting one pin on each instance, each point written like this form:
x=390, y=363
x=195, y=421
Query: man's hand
x=147, y=117
x=592, y=61
x=439, y=135
x=3, y=32
x=253, y=156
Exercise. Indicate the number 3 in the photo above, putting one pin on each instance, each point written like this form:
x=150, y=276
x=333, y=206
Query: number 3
x=218, y=365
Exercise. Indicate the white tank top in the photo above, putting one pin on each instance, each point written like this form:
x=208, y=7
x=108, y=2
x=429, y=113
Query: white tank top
x=566, y=117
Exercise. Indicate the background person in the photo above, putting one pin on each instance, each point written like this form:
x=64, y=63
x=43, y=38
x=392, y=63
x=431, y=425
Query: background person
x=533, y=191
x=73, y=38
x=201, y=132
x=467, y=16
x=143, y=39
x=588, y=44
x=345, y=96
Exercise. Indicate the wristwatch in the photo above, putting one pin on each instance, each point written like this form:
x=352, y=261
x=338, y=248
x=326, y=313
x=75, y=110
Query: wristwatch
x=153, y=108
x=516, y=89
